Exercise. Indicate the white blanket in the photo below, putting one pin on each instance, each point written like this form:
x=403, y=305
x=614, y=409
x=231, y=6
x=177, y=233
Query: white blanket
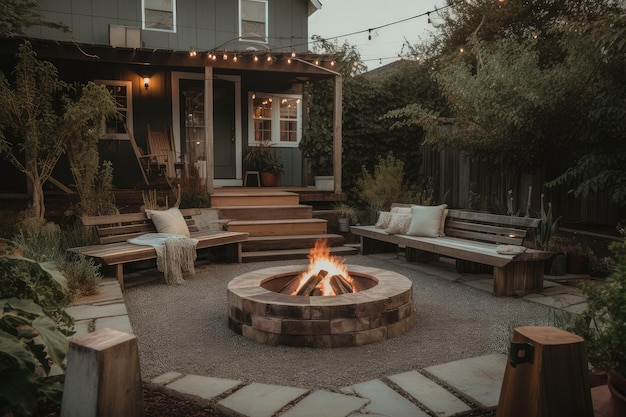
x=176, y=254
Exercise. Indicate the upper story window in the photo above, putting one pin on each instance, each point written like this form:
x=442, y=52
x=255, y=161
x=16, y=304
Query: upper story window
x=122, y=92
x=159, y=15
x=275, y=117
x=253, y=20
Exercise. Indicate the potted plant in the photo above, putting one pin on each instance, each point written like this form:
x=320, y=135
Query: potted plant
x=602, y=325
x=543, y=235
x=346, y=216
x=261, y=158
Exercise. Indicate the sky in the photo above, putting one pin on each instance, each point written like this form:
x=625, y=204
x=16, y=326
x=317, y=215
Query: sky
x=341, y=17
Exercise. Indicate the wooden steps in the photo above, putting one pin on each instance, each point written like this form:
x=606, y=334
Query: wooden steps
x=279, y=227
x=261, y=243
x=276, y=198
x=267, y=212
x=276, y=255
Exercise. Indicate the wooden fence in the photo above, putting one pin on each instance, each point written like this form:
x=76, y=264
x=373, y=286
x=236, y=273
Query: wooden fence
x=462, y=183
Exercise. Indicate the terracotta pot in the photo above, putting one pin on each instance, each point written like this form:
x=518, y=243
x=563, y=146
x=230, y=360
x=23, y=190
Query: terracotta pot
x=269, y=179
x=617, y=387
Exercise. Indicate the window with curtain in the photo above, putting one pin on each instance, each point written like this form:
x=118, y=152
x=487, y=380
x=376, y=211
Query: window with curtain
x=159, y=15
x=276, y=118
x=253, y=20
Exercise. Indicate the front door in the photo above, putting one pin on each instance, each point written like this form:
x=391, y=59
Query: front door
x=226, y=128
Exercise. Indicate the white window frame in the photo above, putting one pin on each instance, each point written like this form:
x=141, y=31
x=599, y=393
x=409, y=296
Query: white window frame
x=242, y=36
x=127, y=110
x=275, y=119
x=146, y=27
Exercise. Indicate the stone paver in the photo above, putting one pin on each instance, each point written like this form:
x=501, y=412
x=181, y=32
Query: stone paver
x=386, y=401
x=430, y=394
x=327, y=404
x=121, y=323
x=259, y=400
x=203, y=386
x=478, y=379
x=166, y=378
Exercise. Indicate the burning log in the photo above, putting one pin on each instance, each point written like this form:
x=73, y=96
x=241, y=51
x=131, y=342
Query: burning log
x=310, y=284
x=337, y=282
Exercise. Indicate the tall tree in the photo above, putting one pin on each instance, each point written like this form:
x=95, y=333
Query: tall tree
x=39, y=118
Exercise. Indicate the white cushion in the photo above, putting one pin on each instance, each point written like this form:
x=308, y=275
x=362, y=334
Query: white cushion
x=169, y=221
x=426, y=221
x=384, y=217
x=399, y=223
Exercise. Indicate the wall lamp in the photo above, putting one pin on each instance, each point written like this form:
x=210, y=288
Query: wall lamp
x=146, y=82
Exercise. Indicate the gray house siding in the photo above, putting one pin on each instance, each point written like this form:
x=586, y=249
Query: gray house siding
x=201, y=24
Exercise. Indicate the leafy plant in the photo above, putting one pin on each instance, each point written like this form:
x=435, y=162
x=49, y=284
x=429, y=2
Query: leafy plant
x=33, y=333
x=603, y=323
x=346, y=211
x=547, y=227
x=262, y=158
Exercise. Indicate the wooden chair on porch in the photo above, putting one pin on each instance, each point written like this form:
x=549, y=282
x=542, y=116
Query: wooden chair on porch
x=148, y=162
x=162, y=144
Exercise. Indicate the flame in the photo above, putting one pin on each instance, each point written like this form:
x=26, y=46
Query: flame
x=321, y=261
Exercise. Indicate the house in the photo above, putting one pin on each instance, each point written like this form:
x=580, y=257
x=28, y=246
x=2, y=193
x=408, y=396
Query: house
x=220, y=75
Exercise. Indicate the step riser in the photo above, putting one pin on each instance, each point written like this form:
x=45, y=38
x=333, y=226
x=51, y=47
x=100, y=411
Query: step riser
x=253, y=200
x=283, y=229
x=300, y=243
x=271, y=256
x=266, y=213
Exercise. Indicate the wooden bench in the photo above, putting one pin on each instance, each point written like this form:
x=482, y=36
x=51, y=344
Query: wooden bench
x=114, y=231
x=471, y=236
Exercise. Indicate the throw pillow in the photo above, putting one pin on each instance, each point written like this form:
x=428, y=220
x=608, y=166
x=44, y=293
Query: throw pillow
x=401, y=210
x=399, y=223
x=383, y=220
x=426, y=220
x=169, y=221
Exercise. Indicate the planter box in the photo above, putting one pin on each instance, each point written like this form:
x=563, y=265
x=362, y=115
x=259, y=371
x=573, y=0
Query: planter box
x=325, y=182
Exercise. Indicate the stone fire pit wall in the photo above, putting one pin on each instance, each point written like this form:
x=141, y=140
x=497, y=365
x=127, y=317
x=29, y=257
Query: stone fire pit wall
x=373, y=315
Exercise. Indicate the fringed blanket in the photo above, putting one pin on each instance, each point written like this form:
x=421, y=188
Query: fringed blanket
x=176, y=254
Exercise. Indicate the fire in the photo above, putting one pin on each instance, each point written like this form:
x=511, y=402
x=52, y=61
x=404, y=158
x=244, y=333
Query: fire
x=326, y=268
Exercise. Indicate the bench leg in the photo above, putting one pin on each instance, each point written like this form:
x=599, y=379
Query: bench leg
x=119, y=274
x=369, y=246
x=518, y=278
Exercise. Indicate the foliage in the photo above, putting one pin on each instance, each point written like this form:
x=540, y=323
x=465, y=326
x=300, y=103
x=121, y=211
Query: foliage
x=378, y=190
x=262, y=158
x=346, y=211
x=45, y=242
x=30, y=117
x=18, y=15
x=603, y=323
x=33, y=333
x=547, y=227
x=83, y=117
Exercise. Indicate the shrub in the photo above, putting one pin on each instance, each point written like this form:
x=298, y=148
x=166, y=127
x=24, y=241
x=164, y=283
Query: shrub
x=386, y=186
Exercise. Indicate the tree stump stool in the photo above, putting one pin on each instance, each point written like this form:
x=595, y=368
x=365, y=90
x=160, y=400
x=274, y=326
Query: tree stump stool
x=546, y=376
x=102, y=378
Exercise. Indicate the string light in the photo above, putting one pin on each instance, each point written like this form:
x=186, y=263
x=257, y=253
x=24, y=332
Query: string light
x=225, y=56
x=429, y=21
x=192, y=52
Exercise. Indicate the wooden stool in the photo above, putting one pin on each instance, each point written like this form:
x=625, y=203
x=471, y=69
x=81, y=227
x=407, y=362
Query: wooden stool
x=546, y=375
x=253, y=173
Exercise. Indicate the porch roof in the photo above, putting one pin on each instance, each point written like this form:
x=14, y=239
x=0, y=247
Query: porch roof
x=303, y=67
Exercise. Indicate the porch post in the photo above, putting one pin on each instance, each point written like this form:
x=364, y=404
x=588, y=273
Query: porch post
x=208, y=129
x=337, y=121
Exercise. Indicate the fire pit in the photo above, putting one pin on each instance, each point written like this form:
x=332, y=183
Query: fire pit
x=327, y=305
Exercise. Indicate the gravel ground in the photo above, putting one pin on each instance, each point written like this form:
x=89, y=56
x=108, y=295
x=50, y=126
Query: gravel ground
x=184, y=328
